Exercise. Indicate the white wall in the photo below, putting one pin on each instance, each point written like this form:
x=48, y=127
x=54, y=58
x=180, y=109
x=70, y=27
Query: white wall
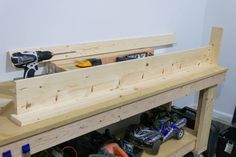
x=222, y=13
x=30, y=23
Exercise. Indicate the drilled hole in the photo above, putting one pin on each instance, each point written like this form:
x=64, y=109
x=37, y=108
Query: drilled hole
x=118, y=84
x=28, y=105
x=56, y=98
x=180, y=66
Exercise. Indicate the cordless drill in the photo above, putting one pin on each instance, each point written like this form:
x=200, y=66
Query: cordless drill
x=29, y=60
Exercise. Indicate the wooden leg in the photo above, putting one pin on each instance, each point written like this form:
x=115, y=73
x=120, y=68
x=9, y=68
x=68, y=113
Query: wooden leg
x=168, y=105
x=203, y=119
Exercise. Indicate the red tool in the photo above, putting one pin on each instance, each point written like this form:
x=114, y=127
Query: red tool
x=115, y=149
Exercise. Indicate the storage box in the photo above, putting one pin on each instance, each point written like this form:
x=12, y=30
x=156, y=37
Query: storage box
x=226, y=146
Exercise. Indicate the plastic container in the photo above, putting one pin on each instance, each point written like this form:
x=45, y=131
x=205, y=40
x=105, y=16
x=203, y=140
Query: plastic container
x=226, y=146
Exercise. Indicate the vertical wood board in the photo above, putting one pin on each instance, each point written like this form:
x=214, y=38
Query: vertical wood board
x=57, y=88
x=204, y=117
x=102, y=47
x=122, y=96
x=215, y=43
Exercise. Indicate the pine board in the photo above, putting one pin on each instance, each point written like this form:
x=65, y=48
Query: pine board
x=176, y=148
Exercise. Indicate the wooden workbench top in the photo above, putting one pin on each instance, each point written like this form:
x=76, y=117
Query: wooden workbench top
x=10, y=132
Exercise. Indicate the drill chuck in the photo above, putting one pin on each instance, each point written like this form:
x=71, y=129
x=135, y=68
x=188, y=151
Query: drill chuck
x=44, y=55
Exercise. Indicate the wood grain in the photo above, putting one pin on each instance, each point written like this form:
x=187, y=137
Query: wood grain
x=204, y=116
x=88, y=119
x=10, y=132
x=175, y=148
x=103, y=47
x=62, y=87
x=215, y=43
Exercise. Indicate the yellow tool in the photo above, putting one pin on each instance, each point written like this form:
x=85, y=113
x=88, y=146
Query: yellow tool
x=88, y=63
x=83, y=64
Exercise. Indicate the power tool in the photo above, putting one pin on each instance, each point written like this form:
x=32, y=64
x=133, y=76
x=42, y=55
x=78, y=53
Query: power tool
x=133, y=56
x=28, y=60
x=88, y=63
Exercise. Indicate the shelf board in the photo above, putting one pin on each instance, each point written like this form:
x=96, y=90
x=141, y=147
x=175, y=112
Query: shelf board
x=176, y=148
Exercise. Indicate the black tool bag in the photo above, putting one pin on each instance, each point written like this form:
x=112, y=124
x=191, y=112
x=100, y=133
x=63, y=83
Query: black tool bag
x=213, y=139
x=234, y=117
x=226, y=146
x=188, y=113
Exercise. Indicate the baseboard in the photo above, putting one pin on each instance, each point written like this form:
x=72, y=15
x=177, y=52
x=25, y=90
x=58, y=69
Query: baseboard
x=222, y=116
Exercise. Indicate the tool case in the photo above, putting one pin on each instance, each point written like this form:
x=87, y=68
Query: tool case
x=190, y=115
x=226, y=146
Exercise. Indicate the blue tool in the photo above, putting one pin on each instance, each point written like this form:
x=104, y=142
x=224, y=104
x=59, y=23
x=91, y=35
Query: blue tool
x=26, y=150
x=7, y=154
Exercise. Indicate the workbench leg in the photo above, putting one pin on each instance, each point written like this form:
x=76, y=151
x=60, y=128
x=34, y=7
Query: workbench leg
x=168, y=106
x=203, y=119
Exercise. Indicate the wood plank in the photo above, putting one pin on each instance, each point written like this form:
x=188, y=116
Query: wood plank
x=4, y=102
x=120, y=95
x=8, y=89
x=168, y=106
x=80, y=83
x=10, y=132
x=204, y=115
x=7, y=95
x=206, y=96
x=113, y=116
x=176, y=148
x=58, y=135
x=65, y=133
x=215, y=43
x=103, y=47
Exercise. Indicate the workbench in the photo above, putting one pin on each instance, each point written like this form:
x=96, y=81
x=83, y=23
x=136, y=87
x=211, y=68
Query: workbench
x=202, y=74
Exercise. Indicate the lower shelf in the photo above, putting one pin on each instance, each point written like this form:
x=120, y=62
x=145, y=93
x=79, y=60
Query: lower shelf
x=176, y=148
